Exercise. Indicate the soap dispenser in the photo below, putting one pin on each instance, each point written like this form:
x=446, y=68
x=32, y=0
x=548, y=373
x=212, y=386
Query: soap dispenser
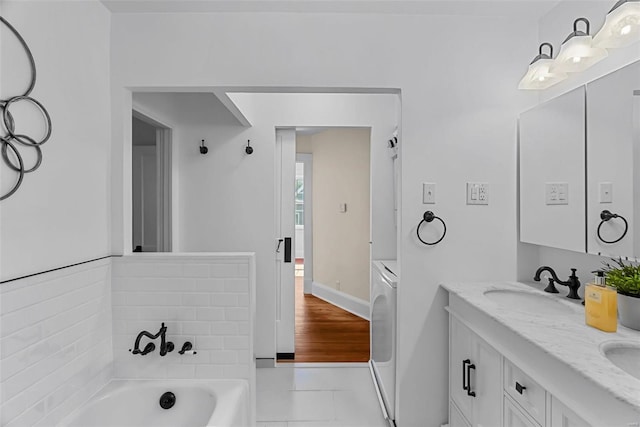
x=601, y=305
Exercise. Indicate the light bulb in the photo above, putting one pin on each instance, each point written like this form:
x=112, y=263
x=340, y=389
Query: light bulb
x=625, y=30
x=541, y=78
x=576, y=59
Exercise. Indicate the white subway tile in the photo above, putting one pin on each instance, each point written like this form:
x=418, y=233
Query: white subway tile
x=13, y=406
x=243, y=300
x=210, y=285
x=201, y=357
x=208, y=343
x=224, y=328
x=196, y=328
x=150, y=313
x=125, y=313
x=223, y=270
x=181, y=313
x=235, y=371
x=29, y=417
x=243, y=269
x=223, y=357
x=201, y=299
x=236, y=313
x=176, y=370
x=41, y=350
x=32, y=314
x=208, y=371
x=196, y=270
x=244, y=328
x=21, y=339
x=236, y=285
x=236, y=343
x=224, y=300
x=146, y=269
x=244, y=357
x=211, y=313
x=174, y=284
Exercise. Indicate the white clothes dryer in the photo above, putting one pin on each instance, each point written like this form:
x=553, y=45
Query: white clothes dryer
x=383, y=324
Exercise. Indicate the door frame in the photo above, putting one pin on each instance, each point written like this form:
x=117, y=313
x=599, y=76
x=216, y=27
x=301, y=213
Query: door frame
x=164, y=146
x=307, y=160
x=285, y=164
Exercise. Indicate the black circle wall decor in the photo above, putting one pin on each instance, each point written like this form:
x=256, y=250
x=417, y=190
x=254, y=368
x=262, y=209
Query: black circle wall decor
x=9, y=149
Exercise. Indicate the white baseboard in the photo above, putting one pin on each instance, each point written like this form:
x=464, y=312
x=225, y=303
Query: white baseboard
x=347, y=302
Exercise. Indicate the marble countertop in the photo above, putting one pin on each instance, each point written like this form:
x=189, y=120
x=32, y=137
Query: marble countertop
x=564, y=336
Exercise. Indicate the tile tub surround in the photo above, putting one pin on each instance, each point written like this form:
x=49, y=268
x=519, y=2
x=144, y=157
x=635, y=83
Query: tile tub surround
x=207, y=299
x=55, y=342
x=566, y=337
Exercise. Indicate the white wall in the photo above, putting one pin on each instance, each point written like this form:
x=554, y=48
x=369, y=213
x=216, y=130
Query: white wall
x=459, y=109
x=554, y=27
x=60, y=214
x=341, y=171
x=55, y=337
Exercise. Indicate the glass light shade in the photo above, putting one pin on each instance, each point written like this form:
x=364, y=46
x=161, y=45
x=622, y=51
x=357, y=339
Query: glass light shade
x=621, y=26
x=540, y=75
x=577, y=54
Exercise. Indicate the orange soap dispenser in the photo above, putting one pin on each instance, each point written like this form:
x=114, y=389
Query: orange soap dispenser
x=601, y=305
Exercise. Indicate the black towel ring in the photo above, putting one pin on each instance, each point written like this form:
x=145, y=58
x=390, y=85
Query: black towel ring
x=605, y=216
x=429, y=216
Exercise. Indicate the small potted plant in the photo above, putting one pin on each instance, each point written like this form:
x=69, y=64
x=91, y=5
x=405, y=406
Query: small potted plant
x=625, y=278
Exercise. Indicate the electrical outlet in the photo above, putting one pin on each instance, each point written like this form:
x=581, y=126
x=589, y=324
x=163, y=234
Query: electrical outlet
x=477, y=193
x=428, y=193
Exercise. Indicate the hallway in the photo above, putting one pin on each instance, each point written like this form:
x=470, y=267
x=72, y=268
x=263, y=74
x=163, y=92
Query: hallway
x=326, y=333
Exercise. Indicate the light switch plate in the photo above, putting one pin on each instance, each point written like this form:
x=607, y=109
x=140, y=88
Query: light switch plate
x=477, y=193
x=428, y=193
x=606, y=192
x=556, y=193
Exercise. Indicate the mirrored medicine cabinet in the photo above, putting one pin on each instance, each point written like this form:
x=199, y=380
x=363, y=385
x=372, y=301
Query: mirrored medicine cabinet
x=580, y=168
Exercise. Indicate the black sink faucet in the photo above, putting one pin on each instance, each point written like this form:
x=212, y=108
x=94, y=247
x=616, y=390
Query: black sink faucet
x=165, y=346
x=572, y=283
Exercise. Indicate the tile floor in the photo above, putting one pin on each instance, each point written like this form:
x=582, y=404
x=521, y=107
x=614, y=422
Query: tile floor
x=317, y=396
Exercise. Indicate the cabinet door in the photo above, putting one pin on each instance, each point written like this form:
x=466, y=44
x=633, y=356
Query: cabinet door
x=459, y=350
x=455, y=417
x=561, y=416
x=486, y=382
x=513, y=417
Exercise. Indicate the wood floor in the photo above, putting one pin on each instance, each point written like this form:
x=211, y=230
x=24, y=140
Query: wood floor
x=326, y=333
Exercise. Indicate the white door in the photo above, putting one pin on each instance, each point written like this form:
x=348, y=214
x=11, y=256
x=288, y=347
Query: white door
x=285, y=244
x=145, y=198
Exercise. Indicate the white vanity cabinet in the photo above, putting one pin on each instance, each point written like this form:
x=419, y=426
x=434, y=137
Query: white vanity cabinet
x=475, y=386
x=499, y=377
x=562, y=416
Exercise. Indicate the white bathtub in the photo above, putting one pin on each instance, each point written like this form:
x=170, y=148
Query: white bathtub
x=135, y=403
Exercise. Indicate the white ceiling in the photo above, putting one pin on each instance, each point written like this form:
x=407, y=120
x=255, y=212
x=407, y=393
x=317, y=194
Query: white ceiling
x=530, y=8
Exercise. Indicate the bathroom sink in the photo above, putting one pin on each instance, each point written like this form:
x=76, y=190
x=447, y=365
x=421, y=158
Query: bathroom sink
x=625, y=355
x=527, y=302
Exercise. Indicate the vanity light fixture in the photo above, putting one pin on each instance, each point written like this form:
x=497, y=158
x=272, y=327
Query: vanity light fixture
x=577, y=52
x=621, y=26
x=540, y=74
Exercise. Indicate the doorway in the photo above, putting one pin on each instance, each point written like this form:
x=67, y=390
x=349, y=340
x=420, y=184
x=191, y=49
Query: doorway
x=332, y=245
x=151, y=181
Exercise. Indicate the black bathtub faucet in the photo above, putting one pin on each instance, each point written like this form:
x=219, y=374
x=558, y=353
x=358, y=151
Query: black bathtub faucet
x=165, y=346
x=572, y=283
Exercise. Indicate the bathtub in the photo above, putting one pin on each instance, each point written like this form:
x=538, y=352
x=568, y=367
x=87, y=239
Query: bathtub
x=136, y=403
